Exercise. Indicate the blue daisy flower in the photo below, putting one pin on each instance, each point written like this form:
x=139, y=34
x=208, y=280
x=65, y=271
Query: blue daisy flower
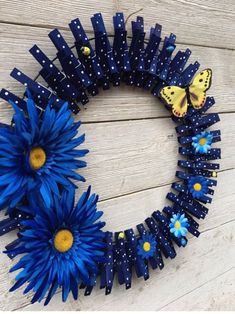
x=147, y=246
x=62, y=247
x=38, y=155
x=179, y=225
x=198, y=186
x=202, y=142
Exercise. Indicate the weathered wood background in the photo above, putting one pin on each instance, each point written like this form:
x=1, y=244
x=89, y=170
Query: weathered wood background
x=134, y=148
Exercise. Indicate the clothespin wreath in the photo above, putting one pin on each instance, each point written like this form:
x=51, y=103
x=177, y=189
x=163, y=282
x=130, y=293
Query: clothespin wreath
x=62, y=244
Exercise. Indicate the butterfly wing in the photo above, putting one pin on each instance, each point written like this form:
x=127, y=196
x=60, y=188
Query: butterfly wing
x=198, y=88
x=175, y=97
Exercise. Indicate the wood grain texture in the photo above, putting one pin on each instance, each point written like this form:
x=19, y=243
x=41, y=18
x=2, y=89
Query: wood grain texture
x=133, y=149
x=203, y=23
x=129, y=156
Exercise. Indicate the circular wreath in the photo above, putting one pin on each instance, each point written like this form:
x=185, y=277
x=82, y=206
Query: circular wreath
x=62, y=243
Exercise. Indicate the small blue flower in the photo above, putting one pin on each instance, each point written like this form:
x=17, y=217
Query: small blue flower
x=198, y=186
x=62, y=247
x=202, y=142
x=38, y=154
x=179, y=225
x=147, y=246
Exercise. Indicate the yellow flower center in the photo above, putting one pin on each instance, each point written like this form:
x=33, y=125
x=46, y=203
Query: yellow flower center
x=177, y=224
x=146, y=246
x=86, y=51
x=37, y=158
x=63, y=240
x=202, y=141
x=197, y=187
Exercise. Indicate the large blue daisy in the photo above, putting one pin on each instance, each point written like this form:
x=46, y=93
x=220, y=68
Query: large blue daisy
x=38, y=155
x=63, y=246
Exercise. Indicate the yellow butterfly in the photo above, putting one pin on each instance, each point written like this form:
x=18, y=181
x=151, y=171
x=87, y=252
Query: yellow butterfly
x=194, y=94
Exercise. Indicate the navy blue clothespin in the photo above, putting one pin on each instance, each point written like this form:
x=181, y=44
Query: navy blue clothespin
x=165, y=246
x=176, y=66
x=143, y=263
x=40, y=94
x=63, y=90
x=212, y=154
x=121, y=262
x=164, y=58
x=120, y=47
x=56, y=80
x=194, y=114
x=199, y=124
x=12, y=246
x=8, y=224
x=104, y=52
x=186, y=76
x=187, y=139
x=186, y=176
x=15, y=246
x=156, y=260
x=192, y=224
x=197, y=205
x=197, y=165
x=184, y=129
x=145, y=74
x=136, y=49
x=72, y=67
x=107, y=268
x=86, y=54
x=134, y=259
x=88, y=289
x=191, y=120
x=185, y=193
x=15, y=217
x=163, y=63
x=205, y=122
x=210, y=101
x=164, y=222
x=169, y=211
x=190, y=208
x=10, y=97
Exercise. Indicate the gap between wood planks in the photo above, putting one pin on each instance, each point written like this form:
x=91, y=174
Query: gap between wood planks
x=140, y=119
x=91, y=34
x=151, y=188
x=202, y=5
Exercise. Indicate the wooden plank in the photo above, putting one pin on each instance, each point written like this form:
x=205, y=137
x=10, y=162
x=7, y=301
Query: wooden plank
x=118, y=103
x=194, y=22
x=128, y=211
x=203, y=299
x=129, y=156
